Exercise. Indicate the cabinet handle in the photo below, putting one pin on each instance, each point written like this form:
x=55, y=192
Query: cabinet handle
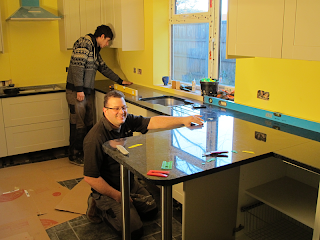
x=301, y=167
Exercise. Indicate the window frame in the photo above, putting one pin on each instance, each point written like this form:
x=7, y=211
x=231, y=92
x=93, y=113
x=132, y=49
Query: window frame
x=213, y=18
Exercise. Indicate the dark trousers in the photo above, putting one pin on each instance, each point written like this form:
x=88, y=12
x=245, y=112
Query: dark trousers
x=143, y=207
x=81, y=119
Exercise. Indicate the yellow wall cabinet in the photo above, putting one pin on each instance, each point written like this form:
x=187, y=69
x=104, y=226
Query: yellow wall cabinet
x=274, y=28
x=34, y=123
x=3, y=143
x=80, y=17
x=126, y=18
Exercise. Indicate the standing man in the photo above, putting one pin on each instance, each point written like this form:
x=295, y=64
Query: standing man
x=102, y=172
x=84, y=63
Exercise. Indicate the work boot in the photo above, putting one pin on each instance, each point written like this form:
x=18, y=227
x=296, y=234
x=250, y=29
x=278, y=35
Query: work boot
x=92, y=211
x=77, y=159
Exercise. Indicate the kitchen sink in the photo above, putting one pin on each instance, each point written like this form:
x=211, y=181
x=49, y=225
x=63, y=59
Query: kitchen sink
x=29, y=89
x=50, y=87
x=166, y=100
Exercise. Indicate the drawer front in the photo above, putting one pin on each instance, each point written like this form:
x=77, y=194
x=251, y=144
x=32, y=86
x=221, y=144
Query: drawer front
x=3, y=143
x=36, y=137
x=40, y=108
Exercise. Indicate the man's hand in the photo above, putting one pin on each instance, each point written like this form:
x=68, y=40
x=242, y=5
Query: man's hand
x=117, y=197
x=158, y=122
x=80, y=96
x=191, y=120
x=126, y=82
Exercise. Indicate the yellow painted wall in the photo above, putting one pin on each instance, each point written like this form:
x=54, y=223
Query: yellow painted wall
x=293, y=86
x=32, y=53
x=33, y=57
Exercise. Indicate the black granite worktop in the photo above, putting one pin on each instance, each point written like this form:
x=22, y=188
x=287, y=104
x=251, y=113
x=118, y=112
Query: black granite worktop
x=224, y=129
x=246, y=137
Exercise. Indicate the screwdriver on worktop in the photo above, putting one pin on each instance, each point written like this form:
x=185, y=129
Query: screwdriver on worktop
x=215, y=153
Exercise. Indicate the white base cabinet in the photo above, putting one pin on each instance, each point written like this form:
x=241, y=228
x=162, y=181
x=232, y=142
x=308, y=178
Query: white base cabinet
x=99, y=101
x=35, y=122
x=3, y=143
x=289, y=193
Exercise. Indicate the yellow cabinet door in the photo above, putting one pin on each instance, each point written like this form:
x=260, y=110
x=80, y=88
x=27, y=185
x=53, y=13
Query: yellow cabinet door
x=255, y=28
x=301, y=34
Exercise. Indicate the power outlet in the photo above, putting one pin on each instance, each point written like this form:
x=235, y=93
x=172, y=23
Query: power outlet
x=139, y=71
x=134, y=70
x=67, y=68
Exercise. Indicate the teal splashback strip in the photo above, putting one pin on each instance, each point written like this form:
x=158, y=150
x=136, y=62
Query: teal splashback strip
x=274, y=116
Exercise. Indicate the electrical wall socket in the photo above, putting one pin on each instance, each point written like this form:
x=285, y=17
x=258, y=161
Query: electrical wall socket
x=139, y=71
x=134, y=70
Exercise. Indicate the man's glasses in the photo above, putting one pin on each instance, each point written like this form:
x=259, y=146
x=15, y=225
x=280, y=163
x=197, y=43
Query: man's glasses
x=117, y=109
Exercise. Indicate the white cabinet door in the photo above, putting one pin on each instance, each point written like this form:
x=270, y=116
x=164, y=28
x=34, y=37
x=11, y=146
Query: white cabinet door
x=3, y=144
x=99, y=102
x=36, y=137
x=40, y=108
x=126, y=19
x=69, y=25
x=80, y=17
x=255, y=28
x=90, y=12
x=35, y=122
x=301, y=34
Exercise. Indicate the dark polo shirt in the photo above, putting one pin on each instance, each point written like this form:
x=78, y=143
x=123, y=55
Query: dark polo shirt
x=96, y=161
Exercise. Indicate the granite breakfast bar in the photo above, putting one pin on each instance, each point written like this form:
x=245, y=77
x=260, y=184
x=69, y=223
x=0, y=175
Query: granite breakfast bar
x=215, y=189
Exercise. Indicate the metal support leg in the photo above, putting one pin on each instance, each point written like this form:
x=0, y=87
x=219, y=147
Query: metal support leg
x=166, y=213
x=125, y=203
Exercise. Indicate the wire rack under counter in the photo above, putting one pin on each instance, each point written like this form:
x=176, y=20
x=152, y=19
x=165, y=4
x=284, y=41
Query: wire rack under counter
x=262, y=222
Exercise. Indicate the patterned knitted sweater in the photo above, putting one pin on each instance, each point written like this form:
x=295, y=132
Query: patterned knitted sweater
x=84, y=63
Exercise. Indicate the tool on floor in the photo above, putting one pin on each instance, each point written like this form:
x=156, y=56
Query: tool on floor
x=215, y=153
x=158, y=173
x=166, y=165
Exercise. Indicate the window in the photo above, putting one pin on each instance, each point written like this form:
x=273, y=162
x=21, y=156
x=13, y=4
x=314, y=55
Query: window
x=194, y=52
